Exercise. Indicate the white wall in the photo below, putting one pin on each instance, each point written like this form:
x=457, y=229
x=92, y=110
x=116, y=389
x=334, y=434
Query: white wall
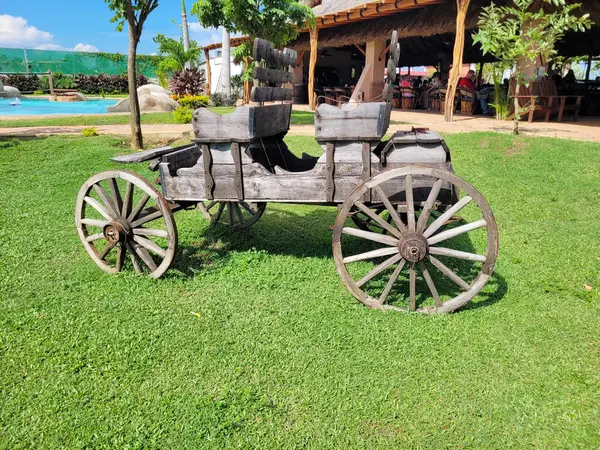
x=215, y=68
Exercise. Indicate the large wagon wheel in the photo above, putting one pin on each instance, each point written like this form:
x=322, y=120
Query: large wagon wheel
x=415, y=245
x=233, y=214
x=120, y=214
x=366, y=222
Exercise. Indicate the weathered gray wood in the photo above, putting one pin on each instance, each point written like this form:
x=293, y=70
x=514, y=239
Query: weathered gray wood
x=430, y=284
x=244, y=124
x=366, y=168
x=363, y=121
x=263, y=50
x=187, y=157
x=209, y=182
x=449, y=273
x=370, y=236
x=380, y=268
x=440, y=221
x=267, y=75
x=271, y=94
x=456, y=231
x=330, y=166
x=442, y=251
x=371, y=255
x=146, y=155
x=239, y=185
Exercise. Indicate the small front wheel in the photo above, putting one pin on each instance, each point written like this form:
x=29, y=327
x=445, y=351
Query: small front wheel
x=233, y=214
x=120, y=214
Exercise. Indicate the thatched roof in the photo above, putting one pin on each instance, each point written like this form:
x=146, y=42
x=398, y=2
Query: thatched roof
x=425, y=22
x=333, y=6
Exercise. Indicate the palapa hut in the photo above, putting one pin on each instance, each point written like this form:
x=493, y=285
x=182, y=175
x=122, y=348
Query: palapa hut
x=427, y=30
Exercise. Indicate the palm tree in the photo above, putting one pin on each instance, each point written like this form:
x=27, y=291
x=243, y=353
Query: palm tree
x=175, y=57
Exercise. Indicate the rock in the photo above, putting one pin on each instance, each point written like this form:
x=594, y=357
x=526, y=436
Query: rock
x=149, y=102
x=154, y=89
x=9, y=92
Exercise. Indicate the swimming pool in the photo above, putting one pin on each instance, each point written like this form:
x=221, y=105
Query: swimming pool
x=36, y=106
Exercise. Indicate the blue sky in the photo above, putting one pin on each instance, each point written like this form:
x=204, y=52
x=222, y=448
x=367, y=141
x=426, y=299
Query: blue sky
x=85, y=25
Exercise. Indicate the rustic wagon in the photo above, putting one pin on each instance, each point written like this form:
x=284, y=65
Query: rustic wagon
x=397, y=199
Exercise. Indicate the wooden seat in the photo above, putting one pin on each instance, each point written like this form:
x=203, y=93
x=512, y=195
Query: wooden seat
x=442, y=93
x=468, y=100
x=542, y=97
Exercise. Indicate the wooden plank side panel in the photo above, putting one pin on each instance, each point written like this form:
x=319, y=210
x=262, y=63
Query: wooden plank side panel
x=273, y=75
x=271, y=94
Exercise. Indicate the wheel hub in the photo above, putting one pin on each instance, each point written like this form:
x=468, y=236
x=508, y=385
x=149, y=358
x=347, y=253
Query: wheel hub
x=117, y=231
x=413, y=247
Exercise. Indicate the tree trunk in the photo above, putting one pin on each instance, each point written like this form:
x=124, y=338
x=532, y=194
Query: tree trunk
x=134, y=105
x=314, y=47
x=459, y=44
x=517, y=115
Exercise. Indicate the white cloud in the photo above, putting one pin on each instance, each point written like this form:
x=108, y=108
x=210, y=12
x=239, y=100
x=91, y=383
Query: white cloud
x=14, y=32
x=48, y=47
x=85, y=48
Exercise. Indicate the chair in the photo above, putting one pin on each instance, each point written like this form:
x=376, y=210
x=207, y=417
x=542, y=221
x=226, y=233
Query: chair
x=468, y=100
x=542, y=96
x=443, y=92
x=330, y=96
x=341, y=95
x=410, y=97
x=397, y=99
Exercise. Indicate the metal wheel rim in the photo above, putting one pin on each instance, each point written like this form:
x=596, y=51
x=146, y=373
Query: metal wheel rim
x=491, y=242
x=130, y=245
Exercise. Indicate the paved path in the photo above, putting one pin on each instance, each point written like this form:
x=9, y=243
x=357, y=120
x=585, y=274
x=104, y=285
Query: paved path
x=588, y=128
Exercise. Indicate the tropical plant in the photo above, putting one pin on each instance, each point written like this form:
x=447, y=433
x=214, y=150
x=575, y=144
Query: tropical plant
x=519, y=34
x=275, y=20
x=134, y=13
x=221, y=99
x=175, y=57
x=187, y=82
x=193, y=101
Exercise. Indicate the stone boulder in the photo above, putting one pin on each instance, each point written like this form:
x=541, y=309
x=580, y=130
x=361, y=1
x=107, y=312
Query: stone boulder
x=9, y=92
x=149, y=102
x=154, y=89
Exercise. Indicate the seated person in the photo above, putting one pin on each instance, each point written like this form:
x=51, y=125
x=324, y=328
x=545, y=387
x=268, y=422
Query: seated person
x=482, y=95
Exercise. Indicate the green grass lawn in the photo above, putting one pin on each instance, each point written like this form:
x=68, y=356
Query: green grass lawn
x=298, y=118
x=279, y=354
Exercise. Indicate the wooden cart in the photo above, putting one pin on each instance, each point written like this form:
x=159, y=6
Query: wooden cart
x=398, y=199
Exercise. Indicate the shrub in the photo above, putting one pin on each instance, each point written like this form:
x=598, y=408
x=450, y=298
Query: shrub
x=187, y=82
x=38, y=92
x=105, y=84
x=89, y=132
x=24, y=83
x=183, y=114
x=193, y=101
x=220, y=99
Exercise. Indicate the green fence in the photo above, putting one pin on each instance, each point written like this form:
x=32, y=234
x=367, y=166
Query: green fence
x=18, y=59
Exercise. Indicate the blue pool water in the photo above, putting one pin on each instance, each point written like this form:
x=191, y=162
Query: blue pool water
x=35, y=106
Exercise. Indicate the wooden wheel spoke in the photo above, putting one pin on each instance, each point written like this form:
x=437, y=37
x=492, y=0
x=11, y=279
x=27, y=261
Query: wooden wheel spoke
x=370, y=255
x=219, y=212
x=449, y=273
x=247, y=208
x=114, y=189
x=106, y=199
x=138, y=208
x=430, y=284
x=360, y=205
x=94, y=237
x=441, y=220
x=425, y=213
x=145, y=257
x=238, y=212
x=107, y=248
x=456, y=231
x=132, y=256
x=121, y=253
x=410, y=203
x=150, y=232
x=94, y=222
x=230, y=213
x=150, y=245
x=412, y=279
x=128, y=200
x=98, y=207
x=393, y=277
x=151, y=214
x=380, y=268
x=456, y=254
x=369, y=235
x=391, y=210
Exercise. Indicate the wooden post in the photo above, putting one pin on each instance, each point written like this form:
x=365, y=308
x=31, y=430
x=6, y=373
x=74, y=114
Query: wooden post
x=246, y=83
x=208, y=75
x=588, y=68
x=457, y=58
x=50, y=82
x=480, y=74
x=314, y=46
